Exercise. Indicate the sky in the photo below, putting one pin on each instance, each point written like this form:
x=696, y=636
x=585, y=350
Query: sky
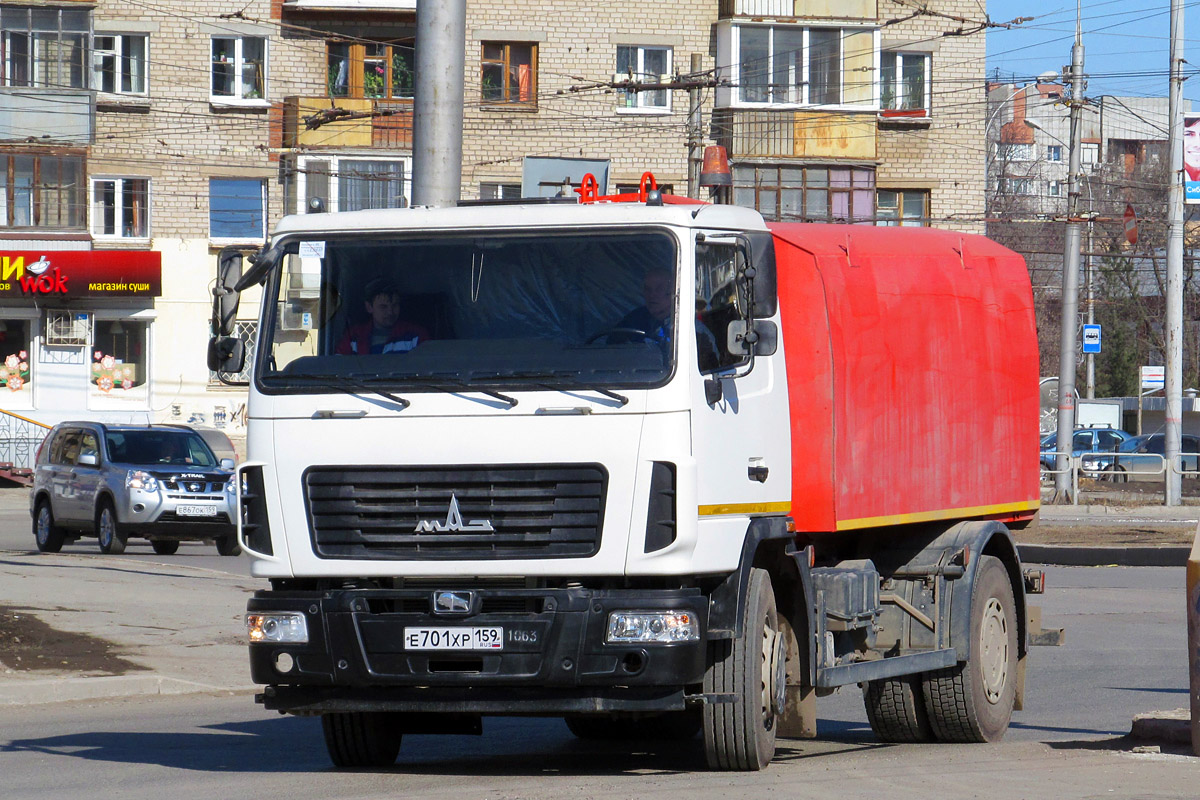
x=1125, y=43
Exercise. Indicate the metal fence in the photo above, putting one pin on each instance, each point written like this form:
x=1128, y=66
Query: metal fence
x=19, y=439
x=1117, y=468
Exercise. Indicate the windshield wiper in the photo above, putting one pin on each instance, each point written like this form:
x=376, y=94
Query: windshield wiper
x=449, y=384
x=351, y=385
x=571, y=382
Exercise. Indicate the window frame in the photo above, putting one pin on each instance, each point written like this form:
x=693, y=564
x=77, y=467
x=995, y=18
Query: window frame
x=499, y=190
x=902, y=57
x=505, y=63
x=1054, y=153
x=118, y=210
x=118, y=53
x=37, y=190
x=641, y=76
x=332, y=199
x=900, y=220
x=262, y=184
x=76, y=74
x=356, y=61
x=238, y=69
x=865, y=216
x=804, y=82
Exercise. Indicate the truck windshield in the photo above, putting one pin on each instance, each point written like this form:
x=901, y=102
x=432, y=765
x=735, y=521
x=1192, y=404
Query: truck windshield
x=474, y=309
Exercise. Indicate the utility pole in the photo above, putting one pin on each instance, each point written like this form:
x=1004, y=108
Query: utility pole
x=1091, y=305
x=438, y=102
x=1070, y=278
x=1174, y=371
x=695, y=132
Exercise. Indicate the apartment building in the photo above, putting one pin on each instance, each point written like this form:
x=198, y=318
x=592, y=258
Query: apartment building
x=142, y=137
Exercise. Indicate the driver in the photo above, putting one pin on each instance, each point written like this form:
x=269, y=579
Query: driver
x=382, y=331
x=652, y=321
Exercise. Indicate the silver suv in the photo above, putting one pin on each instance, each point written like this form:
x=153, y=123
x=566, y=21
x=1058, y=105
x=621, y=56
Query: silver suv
x=159, y=482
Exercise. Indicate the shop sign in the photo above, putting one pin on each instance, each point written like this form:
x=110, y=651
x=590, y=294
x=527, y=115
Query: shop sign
x=80, y=273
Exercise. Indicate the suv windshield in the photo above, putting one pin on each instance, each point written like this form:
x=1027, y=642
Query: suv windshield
x=474, y=309
x=176, y=448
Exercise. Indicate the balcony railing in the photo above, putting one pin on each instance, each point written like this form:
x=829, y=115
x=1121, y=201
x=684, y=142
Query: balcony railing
x=795, y=133
x=347, y=122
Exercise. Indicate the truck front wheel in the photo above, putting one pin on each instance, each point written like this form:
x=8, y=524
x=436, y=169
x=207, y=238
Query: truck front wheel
x=361, y=738
x=973, y=702
x=740, y=735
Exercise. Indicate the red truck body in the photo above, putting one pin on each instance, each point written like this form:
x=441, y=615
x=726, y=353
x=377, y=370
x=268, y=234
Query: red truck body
x=917, y=349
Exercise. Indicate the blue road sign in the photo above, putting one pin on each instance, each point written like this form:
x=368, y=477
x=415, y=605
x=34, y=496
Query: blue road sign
x=1091, y=338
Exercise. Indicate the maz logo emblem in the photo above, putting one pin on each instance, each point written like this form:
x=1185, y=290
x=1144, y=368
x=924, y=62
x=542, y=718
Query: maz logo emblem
x=454, y=522
x=451, y=602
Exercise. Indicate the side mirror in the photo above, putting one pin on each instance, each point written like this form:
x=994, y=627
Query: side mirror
x=88, y=460
x=225, y=298
x=762, y=261
x=226, y=354
x=763, y=341
x=227, y=463
x=261, y=264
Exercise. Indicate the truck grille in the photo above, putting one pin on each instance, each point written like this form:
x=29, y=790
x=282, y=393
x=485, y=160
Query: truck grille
x=542, y=511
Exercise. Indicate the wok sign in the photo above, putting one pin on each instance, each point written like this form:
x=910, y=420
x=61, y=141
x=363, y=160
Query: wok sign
x=80, y=273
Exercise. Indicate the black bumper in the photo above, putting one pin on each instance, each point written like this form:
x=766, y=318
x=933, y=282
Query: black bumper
x=554, y=657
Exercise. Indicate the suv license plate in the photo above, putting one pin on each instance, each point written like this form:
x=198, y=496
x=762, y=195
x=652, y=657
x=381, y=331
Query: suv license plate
x=196, y=511
x=454, y=638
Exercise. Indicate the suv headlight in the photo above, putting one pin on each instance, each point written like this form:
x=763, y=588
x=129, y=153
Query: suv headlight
x=140, y=479
x=231, y=485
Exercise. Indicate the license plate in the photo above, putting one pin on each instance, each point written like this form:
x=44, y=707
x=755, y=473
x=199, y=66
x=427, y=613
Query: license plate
x=454, y=638
x=196, y=511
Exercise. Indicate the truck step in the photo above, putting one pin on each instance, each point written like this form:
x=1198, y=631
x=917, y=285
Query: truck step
x=845, y=674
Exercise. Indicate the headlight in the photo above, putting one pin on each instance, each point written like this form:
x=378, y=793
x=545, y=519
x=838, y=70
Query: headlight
x=652, y=627
x=140, y=479
x=282, y=626
x=231, y=485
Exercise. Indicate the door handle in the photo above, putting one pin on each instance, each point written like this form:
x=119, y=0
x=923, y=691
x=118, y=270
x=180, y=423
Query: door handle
x=757, y=472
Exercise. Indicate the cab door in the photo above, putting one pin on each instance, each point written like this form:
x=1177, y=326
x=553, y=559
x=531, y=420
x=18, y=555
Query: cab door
x=87, y=475
x=65, y=505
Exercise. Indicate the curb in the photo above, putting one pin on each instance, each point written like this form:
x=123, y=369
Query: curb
x=1104, y=556
x=26, y=693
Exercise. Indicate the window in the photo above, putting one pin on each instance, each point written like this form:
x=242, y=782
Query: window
x=352, y=184
x=247, y=331
x=236, y=209
x=42, y=191
x=635, y=188
x=379, y=70
x=1054, y=152
x=509, y=73
x=806, y=194
x=795, y=65
x=907, y=208
x=1054, y=188
x=499, y=191
x=44, y=46
x=15, y=364
x=904, y=82
x=1022, y=186
x=644, y=65
x=120, y=208
x=1089, y=152
x=118, y=355
x=239, y=68
x=119, y=63
x=1016, y=152
x=717, y=305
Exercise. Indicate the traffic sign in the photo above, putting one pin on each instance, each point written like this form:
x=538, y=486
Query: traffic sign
x=1154, y=377
x=1131, y=226
x=1091, y=338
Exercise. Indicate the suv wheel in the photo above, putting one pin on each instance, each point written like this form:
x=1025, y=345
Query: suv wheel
x=228, y=545
x=108, y=530
x=165, y=547
x=48, y=535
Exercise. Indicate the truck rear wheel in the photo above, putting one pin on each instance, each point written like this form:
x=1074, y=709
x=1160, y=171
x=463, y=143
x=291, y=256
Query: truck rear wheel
x=668, y=726
x=360, y=738
x=973, y=702
x=741, y=735
x=896, y=710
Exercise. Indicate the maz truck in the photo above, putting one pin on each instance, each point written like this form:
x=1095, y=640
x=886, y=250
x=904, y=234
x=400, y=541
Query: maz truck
x=650, y=465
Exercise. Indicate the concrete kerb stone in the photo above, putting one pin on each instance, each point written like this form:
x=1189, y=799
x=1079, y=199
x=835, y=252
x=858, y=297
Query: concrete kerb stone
x=1104, y=555
x=63, y=690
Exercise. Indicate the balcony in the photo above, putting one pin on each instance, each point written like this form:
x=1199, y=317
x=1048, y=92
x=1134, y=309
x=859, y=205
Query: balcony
x=348, y=123
x=806, y=134
x=799, y=9
x=49, y=116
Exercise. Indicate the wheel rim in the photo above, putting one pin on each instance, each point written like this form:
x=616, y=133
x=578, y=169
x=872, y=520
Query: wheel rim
x=767, y=699
x=106, y=527
x=993, y=650
x=43, y=525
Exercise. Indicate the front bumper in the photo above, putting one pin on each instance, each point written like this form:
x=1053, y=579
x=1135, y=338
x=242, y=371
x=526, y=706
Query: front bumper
x=554, y=659
x=157, y=514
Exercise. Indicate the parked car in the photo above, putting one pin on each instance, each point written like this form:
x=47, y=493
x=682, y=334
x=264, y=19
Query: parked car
x=1140, y=459
x=1084, y=440
x=159, y=482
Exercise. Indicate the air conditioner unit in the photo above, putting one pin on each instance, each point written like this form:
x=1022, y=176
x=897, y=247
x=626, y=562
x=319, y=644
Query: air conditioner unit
x=68, y=328
x=304, y=285
x=294, y=317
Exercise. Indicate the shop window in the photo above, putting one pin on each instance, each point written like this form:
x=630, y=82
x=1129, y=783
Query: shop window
x=119, y=63
x=120, y=208
x=380, y=70
x=118, y=355
x=44, y=46
x=806, y=194
x=499, y=191
x=904, y=83
x=16, y=370
x=239, y=68
x=236, y=209
x=907, y=208
x=509, y=73
x=644, y=65
x=38, y=191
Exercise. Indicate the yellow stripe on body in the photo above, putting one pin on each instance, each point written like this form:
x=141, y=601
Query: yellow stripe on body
x=744, y=508
x=931, y=516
